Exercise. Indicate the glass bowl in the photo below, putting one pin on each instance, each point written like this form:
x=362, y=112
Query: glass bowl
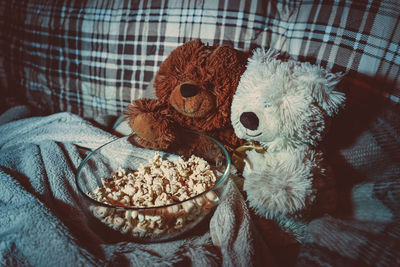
x=158, y=222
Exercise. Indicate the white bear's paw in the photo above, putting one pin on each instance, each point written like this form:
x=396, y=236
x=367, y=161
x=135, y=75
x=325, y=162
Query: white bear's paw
x=253, y=162
x=274, y=192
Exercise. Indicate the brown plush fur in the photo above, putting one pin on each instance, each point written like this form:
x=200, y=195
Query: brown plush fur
x=210, y=75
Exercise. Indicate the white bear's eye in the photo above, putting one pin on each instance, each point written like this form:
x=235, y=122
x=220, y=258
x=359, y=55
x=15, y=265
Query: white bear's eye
x=267, y=105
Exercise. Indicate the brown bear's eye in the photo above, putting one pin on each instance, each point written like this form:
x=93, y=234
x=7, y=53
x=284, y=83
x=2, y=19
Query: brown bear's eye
x=209, y=86
x=182, y=77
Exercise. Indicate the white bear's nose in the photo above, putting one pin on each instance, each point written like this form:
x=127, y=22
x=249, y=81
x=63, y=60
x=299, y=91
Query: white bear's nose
x=249, y=120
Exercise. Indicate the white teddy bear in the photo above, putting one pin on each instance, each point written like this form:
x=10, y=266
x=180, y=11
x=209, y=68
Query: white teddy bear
x=285, y=107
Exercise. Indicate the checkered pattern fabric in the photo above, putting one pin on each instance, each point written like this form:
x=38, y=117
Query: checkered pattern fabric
x=94, y=57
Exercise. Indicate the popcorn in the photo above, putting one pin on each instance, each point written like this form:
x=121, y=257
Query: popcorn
x=160, y=183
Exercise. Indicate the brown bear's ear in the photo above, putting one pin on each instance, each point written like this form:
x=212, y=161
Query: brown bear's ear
x=186, y=50
x=194, y=43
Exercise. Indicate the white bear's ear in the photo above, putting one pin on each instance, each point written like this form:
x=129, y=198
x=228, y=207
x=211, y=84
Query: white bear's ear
x=321, y=85
x=262, y=56
x=328, y=98
x=301, y=121
x=260, y=66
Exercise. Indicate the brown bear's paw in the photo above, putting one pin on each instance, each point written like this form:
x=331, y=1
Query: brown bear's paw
x=152, y=128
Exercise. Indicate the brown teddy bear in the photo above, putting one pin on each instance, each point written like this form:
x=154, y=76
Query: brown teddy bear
x=194, y=88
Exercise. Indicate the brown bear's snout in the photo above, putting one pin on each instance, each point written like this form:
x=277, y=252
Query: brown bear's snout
x=189, y=90
x=192, y=100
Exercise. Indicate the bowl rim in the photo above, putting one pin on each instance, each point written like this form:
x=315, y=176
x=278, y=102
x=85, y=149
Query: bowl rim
x=223, y=178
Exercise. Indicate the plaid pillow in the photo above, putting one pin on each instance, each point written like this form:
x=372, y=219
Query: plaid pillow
x=94, y=57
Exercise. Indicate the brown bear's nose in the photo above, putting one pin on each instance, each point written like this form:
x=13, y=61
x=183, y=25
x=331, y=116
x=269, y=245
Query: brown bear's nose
x=189, y=90
x=249, y=120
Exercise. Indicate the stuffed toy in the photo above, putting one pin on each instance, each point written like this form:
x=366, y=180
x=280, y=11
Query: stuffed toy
x=286, y=178
x=194, y=87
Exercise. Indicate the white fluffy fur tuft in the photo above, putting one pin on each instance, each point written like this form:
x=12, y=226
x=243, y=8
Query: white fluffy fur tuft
x=282, y=185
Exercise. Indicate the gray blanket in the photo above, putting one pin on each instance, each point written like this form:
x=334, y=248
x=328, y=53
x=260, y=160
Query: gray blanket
x=364, y=149
x=42, y=223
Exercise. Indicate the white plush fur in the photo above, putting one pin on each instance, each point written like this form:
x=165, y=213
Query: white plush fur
x=292, y=101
